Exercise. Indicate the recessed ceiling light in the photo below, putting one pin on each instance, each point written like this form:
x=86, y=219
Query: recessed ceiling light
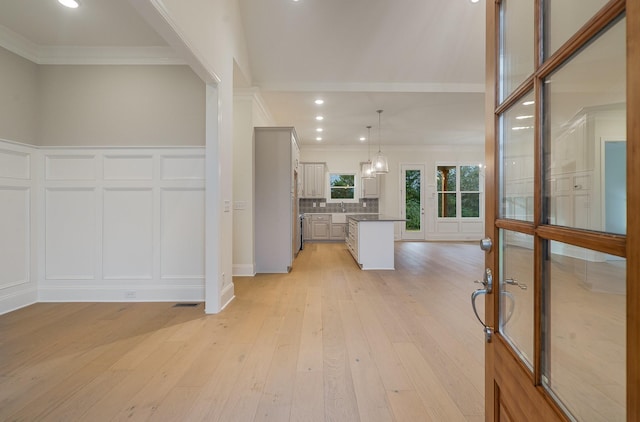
x=319, y=129
x=523, y=117
x=319, y=101
x=318, y=118
x=362, y=139
x=529, y=103
x=318, y=138
x=73, y=4
x=521, y=127
x=474, y=1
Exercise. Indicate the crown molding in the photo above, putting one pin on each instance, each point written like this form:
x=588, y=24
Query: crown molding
x=18, y=44
x=69, y=55
x=373, y=87
x=394, y=148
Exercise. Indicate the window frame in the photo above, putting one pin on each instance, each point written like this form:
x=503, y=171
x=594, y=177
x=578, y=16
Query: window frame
x=458, y=192
x=355, y=198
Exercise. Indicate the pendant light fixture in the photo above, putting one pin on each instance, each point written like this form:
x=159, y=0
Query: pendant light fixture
x=367, y=170
x=380, y=163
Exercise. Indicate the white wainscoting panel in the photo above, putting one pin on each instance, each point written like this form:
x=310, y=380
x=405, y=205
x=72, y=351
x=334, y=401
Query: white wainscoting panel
x=128, y=167
x=70, y=234
x=127, y=234
x=18, y=265
x=123, y=224
x=100, y=224
x=182, y=233
x=70, y=167
x=14, y=164
x=188, y=167
x=15, y=243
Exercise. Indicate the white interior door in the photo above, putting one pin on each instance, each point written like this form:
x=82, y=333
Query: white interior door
x=412, y=201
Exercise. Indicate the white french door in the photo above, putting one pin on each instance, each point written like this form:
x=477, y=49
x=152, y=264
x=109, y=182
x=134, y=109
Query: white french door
x=412, y=201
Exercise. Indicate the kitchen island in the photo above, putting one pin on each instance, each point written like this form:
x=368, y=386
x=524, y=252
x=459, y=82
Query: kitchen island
x=370, y=240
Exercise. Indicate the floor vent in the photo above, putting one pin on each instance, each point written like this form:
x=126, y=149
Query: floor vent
x=185, y=305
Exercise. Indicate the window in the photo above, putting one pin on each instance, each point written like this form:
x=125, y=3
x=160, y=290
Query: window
x=342, y=185
x=458, y=191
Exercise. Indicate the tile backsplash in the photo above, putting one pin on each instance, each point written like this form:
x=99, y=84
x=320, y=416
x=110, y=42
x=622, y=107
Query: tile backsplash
x=306, y=206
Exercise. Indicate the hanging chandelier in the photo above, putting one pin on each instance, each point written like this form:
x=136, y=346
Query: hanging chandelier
x=367, y=171
x=380, y=163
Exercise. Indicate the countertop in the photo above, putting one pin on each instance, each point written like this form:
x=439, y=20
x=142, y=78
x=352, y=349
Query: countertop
x=373, y=217
x=348, y=214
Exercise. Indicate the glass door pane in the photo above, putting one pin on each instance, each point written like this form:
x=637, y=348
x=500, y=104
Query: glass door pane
x=517, y=147
x=517, y=47
x=516, y=293
x=564, y=17
x=412, y=201
x=585, y=106
x=584, y=365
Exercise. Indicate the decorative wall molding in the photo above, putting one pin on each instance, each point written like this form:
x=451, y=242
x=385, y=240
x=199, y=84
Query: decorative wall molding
x=101, y=224
x=128, y=224
x=18, y=275
x=14, y=164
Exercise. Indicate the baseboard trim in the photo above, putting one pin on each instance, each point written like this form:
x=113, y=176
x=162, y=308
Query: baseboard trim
x=122, y=294
x=15, y=301
x=227, y=296
x=244, y=270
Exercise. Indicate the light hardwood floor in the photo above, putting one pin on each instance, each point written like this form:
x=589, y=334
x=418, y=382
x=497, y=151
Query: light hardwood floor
x=326, y=342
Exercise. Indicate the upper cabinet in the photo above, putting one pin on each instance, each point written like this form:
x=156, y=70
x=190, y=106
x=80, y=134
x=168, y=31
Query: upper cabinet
x=313, y=180
x=295, y=156
x=370, y=188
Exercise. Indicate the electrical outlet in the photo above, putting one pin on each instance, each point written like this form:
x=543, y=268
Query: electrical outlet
x=314, y=205
x=130, y=294
x=364, y=205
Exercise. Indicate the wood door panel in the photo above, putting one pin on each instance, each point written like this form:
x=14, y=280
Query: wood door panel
x=513, y=382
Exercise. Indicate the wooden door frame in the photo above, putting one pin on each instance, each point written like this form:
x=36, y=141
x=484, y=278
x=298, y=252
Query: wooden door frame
x=633, y=204
x=628, y=246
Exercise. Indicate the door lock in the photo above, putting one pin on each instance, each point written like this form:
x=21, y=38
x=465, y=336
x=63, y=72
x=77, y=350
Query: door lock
x=486, y=244
x=514, y=282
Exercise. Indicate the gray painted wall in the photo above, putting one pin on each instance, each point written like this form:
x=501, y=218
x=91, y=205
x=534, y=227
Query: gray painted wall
x=112, y=105
x=18, y=98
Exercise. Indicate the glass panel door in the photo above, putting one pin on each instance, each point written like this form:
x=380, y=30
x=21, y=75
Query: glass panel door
x=562, y=318
x=412, y=201
x=583, y=364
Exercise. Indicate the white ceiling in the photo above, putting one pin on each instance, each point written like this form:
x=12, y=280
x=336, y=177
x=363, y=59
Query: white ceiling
x=422, y=61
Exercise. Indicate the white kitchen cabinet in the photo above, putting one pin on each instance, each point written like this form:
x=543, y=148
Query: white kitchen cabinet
x=320, y=227
x=277, y=228
x=370, y=188
x=314, y=180
x=306, y=229
x=371, y=241
x=338, y=231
